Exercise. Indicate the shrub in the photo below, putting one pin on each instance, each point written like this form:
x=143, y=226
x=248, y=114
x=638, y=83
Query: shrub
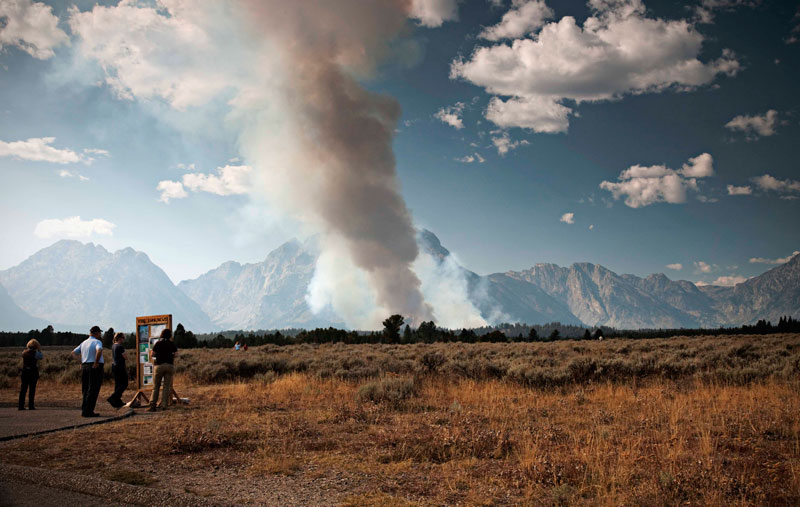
x=392, y=391
x=431, y=361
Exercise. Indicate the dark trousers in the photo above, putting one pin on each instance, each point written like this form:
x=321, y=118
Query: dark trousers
x=91, y=380
x=120, y=384
x=29, y=378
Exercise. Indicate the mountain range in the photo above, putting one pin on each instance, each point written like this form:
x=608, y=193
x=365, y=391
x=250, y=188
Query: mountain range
x=80, y=285
x=77, y=285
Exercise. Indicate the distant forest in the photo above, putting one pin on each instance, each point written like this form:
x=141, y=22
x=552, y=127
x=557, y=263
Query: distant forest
x=396, y=331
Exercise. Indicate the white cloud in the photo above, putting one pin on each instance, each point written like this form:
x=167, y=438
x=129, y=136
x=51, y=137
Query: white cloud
x=701, y=166
x=676, y=266
x=148, y=55
x=535, y=113
x=433, y=13
x=703, y=267
x=729, y=281
x=618, y=51
x=170, y=190
x=38, y=149
x=468, y=159
x=69, y=174
x=229, y=180
x=755, y=126
x=781, y=260
x=770, y=183
x=524, y=17
x=97, y=151
x=567, y=218
x=645, y=185
x=734, y=190
x=31, y=27
x=451, y=115
x=704, y=13
x=73, y=227
x=504, y=144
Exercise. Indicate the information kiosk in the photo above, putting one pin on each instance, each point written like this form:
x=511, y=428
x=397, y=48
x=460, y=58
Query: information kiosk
x=148, y=332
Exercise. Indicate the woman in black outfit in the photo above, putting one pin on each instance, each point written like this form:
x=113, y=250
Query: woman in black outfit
x=119, y=370
x=30, y=373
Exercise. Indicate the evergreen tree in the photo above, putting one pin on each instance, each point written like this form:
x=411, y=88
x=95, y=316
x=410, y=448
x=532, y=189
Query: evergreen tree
x=391, y=328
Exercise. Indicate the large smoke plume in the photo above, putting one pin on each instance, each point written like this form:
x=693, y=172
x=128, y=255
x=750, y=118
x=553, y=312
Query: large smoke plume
x=320, y=143
x=342, y=169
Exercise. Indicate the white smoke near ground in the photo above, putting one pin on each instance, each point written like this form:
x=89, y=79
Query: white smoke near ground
x=320, y=144
x=446, y=289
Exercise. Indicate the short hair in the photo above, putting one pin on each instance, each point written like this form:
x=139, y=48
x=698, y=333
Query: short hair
x=33, y=344
x=119, y=336
x=167, y=333
x=95, y=329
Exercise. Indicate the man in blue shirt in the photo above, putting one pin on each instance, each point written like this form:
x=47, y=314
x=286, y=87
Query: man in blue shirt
x=90, y=352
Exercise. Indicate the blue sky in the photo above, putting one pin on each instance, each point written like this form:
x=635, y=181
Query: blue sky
x=637, y=115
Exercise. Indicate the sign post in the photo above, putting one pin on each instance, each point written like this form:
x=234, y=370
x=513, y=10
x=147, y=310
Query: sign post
x=148, y=332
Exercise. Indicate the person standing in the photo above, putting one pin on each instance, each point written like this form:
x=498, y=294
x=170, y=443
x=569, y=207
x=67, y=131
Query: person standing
x=90, y=352
x=30, y=373
x=163, y=352
x=119, y=369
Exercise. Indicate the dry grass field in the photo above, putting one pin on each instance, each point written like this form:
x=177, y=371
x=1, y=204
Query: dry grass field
x=700, y=421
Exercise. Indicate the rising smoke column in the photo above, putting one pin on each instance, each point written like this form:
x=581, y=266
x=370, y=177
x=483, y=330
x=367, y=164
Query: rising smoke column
x=341, y=169
x=285, y=76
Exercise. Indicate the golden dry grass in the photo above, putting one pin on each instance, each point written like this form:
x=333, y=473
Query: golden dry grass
x=441, y=439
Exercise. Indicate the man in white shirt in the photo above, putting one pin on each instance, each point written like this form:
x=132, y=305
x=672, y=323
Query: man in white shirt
x=90, y=352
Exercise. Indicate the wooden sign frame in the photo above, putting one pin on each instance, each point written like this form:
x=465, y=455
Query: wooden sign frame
x=148, y=331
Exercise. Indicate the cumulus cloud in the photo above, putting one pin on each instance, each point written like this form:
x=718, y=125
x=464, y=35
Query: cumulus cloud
x=38, y=149
x=618, y=51
x=703, y=267
x=734, y=190
x=451, y=115
x=729, y=281
x=504, y=143
x=769, y=183
x=148, y=55
x=676, y=266
x=780, y=260
x=567, y=218
x=468, y=159
x=645, y=185
x=170, y=190
x=755, y=126
x=525, y=16
x=73, y=227
x=229, y=180
x=31, y=27
x=433, y=13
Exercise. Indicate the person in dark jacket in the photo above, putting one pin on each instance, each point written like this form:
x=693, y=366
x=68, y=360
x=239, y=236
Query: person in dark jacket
x=30, y=374
x=163, y=355
x=119, y=369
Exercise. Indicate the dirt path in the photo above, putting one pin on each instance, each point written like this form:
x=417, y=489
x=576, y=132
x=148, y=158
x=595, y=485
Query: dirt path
x=36, y=487
x=16, y=423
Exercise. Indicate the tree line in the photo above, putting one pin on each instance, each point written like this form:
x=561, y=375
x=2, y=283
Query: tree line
x=397, y=331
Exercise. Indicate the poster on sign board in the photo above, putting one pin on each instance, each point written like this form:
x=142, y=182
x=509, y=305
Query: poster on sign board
x=148, y=331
